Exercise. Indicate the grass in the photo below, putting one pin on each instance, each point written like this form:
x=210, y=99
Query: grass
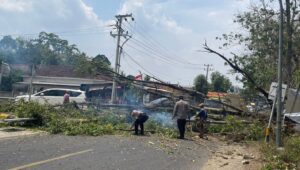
x=289, y=158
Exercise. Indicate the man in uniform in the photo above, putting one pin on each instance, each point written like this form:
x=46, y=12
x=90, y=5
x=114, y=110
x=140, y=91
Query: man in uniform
x=181, y=112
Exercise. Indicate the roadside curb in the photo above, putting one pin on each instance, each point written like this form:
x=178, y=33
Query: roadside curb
x=24, y=133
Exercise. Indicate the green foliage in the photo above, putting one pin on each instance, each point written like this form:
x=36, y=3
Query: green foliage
x=219, y=82
x=49, y=49
x=296, y=78
x=201, y=84
x=7, y=82
x=259, y=40
x=239, y=130
x=70, y=121
x=289, y=158
x=32, y=110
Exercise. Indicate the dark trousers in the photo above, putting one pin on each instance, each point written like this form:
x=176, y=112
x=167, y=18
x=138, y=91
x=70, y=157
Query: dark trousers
x=140, y=122
x=181, y=127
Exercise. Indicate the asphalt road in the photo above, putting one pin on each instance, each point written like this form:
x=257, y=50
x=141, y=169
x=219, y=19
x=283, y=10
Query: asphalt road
x=107, y=152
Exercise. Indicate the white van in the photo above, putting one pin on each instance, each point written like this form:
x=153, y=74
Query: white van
x=55, y=96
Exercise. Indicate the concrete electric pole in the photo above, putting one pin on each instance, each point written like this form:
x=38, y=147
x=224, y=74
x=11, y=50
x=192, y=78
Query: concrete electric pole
x=207, y=69
x=279, y=87
x=120, y=32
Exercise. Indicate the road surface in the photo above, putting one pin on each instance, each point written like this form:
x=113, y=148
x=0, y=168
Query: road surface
x=106, y=152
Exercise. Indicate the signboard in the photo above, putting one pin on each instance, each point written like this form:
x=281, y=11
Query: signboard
x=273, y=91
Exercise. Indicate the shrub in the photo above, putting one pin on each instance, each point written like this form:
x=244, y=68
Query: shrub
x=289, y=158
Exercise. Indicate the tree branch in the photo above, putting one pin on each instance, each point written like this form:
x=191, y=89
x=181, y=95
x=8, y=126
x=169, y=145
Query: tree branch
x=238, y=69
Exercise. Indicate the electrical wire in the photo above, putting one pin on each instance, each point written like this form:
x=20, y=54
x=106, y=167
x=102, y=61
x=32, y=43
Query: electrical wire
x=145, y=35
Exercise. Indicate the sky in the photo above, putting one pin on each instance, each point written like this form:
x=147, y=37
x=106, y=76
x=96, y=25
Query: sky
x=167, y=35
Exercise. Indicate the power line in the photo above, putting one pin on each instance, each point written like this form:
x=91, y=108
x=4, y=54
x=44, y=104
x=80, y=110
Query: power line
x=144, y=34
x=159, y=55
x=146, y=70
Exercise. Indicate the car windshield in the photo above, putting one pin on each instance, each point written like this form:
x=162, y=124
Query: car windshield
x=158, y=101
x=213, y=103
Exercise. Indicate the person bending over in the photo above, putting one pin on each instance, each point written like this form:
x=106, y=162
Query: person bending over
x=140, y=118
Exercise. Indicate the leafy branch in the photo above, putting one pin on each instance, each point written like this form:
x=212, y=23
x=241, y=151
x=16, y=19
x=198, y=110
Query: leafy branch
x=235, y=66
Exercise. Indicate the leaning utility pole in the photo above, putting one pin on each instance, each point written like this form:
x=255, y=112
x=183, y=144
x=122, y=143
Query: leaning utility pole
x=120, y=32
x=279, y=87
x=207, y=69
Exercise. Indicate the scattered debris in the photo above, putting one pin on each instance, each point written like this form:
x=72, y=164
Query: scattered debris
x=248, y=157
x=245, y=162
x=151, y=143
x=224, y=164
x=224, y=157
x=228, y=153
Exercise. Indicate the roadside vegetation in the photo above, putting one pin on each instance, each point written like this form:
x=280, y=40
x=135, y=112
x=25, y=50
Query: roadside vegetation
x=235, y=130
x=288, y=158
x=71, y=121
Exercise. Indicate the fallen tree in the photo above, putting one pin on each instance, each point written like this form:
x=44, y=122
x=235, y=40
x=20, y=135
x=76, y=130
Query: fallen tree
x=237, y=69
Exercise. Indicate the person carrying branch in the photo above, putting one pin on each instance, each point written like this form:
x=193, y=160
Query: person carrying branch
x=140, y=118
x=181, y=113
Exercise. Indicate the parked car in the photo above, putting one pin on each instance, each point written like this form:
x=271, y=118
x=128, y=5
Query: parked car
x=55, y=96
x=161, y=102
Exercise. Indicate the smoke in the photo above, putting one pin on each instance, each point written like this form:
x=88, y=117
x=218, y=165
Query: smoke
x=164, y=118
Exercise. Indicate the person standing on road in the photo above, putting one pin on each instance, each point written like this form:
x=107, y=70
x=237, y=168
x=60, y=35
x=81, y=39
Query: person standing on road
x=66, y=98
x=140, y=118
x=201, y=119
x=181, y=112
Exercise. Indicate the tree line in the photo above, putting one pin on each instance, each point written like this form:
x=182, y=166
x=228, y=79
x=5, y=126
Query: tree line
x=48, y=49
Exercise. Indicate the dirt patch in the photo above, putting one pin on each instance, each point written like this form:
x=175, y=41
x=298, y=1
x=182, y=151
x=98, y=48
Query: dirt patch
x=230, y=156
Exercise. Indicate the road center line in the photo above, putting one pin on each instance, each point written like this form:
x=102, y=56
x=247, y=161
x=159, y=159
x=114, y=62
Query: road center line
x=50, y=160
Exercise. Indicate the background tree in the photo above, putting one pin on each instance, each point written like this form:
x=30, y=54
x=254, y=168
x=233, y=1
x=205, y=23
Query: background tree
x=219, y=82
x=260, y=43
x=50, y=49
x=201, y=84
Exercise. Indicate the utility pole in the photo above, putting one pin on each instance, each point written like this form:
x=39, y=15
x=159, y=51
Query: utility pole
x=207, y=69
x=31, y=81
x=120, y=32
x=279, y=87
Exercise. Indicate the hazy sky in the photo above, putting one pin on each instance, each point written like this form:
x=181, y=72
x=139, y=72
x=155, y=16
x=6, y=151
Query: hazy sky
x=166, y=33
